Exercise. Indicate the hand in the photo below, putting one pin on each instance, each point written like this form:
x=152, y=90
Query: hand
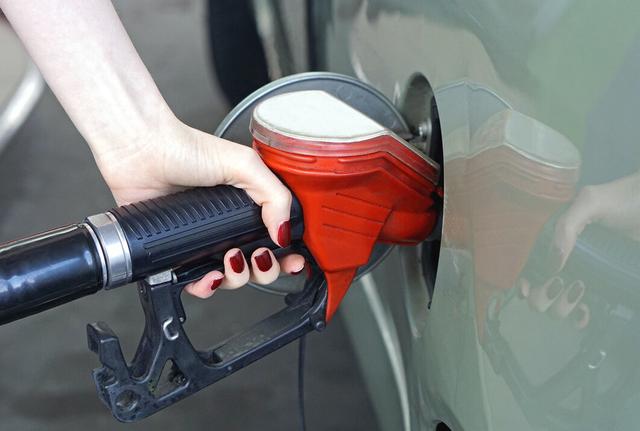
x=615, y=205
x=176, y=156
x=142, y=150
x=558, y=298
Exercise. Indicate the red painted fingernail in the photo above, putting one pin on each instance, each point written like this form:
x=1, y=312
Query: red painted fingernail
x=237, y=262
x=216, y=283
x=263, y=260
x=284, y=234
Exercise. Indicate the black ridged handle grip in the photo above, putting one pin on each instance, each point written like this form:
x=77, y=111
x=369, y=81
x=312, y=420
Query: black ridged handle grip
x=194, y=225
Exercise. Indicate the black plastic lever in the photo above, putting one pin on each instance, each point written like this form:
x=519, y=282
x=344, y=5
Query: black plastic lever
x=138, y=389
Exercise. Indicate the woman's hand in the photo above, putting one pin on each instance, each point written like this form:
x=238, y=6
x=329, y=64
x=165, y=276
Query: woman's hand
x=615, y=205
x=176, y=156
x=141, y=148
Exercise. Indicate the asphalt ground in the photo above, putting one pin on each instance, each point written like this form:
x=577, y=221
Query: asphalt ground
x=48, y=178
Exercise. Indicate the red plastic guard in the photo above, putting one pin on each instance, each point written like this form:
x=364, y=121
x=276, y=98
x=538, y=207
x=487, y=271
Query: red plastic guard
x=384, y=192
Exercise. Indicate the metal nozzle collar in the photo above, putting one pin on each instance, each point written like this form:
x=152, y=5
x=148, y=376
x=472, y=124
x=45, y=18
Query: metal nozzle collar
x=114, y=247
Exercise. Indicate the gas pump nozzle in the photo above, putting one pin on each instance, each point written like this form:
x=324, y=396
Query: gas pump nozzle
x=355, y=184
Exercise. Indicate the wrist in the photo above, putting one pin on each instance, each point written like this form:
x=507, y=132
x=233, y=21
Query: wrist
x=138, y=155
x=132, y=134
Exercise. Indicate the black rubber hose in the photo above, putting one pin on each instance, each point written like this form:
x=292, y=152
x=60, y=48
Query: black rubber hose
x=43, y=271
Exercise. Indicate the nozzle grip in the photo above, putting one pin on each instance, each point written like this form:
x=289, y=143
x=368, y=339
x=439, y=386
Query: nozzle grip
x=194, y=225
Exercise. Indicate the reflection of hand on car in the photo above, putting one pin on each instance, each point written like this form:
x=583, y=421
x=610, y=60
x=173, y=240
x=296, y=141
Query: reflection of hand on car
x=615, y=205
x=557, y=297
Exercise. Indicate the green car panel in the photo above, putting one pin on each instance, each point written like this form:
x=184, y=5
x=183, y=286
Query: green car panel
x=533, y=320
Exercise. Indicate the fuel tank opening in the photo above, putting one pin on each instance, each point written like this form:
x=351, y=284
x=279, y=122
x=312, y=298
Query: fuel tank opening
x=419, y=109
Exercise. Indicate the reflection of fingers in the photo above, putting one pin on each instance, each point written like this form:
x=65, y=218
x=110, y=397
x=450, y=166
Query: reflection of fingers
x=524, y=288
x=581, y=316
x=585, y=209
x=236, y=270
x=292, y=264
x=265, y=267
x=568, y=300
x=540, y=298
x=205, y=287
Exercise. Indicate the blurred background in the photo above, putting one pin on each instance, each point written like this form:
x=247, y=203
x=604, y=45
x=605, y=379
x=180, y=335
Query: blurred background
x=48, y=178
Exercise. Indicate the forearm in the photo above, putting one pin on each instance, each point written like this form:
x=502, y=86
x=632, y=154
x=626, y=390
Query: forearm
x=91, y=65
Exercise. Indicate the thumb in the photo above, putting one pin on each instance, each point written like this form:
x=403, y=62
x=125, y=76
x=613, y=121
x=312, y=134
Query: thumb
x=585, y=209
x=245, y=169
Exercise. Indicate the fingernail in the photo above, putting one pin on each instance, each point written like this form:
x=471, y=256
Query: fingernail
x=284, y=234
x=264, y=262
x=299, y=271
x=523, y=289
x=575, y=291
x=216, y=283
x=554, y=289
x=237, y=262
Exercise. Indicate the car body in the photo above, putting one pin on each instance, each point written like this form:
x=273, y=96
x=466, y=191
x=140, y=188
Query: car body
x=536, y=102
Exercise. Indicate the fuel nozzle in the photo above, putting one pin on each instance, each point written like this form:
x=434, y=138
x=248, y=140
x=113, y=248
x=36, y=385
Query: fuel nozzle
x=179, y=232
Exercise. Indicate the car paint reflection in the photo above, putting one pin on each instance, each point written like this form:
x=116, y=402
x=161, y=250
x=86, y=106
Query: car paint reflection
x=532, y=336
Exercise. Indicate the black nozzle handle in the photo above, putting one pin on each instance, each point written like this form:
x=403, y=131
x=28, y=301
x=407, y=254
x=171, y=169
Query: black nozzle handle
x=127, y=244
x=193, y=226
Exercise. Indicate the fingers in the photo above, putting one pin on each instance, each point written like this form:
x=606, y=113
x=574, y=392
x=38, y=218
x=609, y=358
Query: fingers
x=560, y=299
x=236, y=270
x=540, y=298
x=205, y=287
x=264, y=269
x=265, y=266
x=569, y=299
x=212, y=160
x=585, y=209
x=524, y=288
x=581, y=316
x=251, y=174
x=292, y=264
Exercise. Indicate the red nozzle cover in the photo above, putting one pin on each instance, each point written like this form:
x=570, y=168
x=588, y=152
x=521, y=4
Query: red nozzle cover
x=357, y=186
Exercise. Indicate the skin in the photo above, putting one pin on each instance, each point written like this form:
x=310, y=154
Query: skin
x=141, y=148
